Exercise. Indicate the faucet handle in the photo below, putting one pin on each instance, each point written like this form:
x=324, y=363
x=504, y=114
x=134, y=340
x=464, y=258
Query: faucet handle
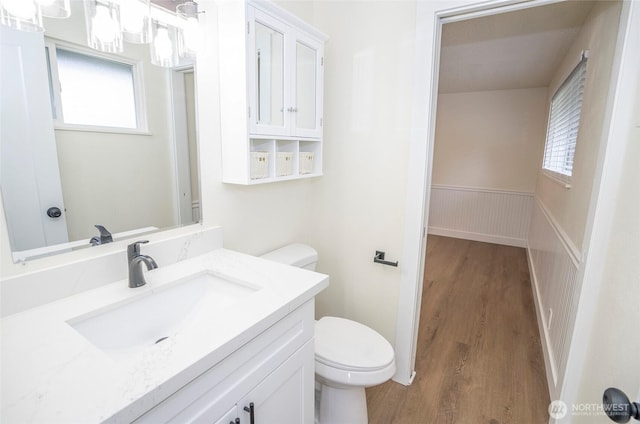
x=134, y=248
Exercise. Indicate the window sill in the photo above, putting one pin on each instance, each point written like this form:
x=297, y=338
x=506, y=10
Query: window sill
x=563, y=180
x=96, y=129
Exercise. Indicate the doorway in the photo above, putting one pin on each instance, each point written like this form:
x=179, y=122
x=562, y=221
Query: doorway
x=420, y=172
x=185, y=145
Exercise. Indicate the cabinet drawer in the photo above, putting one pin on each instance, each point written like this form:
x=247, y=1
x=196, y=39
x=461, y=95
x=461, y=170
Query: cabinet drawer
x=213, y=393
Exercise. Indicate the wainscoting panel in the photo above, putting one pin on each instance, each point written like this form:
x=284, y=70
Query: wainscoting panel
x=554, y=264
x=494, y=216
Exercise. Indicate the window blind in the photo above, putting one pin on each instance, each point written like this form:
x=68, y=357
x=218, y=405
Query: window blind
x=564, y=122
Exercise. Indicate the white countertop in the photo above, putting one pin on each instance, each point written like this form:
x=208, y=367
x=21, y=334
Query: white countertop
x=50, y=373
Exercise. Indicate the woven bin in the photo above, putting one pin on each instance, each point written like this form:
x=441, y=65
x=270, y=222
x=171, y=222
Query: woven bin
x=284, y=164
x=306, y=162
x=259, y=165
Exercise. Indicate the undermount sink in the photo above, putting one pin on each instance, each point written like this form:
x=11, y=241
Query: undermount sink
x=142, y=322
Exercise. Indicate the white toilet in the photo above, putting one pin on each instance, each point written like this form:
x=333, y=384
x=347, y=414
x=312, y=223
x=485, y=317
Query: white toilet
x=349, y=356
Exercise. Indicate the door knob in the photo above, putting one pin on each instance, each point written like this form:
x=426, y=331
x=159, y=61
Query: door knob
x=54, y=212
x=618, y=407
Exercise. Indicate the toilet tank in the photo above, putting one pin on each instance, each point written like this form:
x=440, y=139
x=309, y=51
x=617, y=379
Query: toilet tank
x=296, y=254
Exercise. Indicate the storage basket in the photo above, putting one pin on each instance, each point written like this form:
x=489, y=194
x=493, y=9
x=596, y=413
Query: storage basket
x=284, y=164
x=259, y=165
x=306, y=162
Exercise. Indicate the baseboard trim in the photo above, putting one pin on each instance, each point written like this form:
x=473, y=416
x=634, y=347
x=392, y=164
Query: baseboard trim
x=487, y=238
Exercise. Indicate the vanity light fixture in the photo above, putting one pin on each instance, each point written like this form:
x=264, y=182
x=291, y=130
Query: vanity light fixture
x=23, y=15
x=55, y=8
x=104, y=29
x=111, y=22
x=190, y=35
x=164, y=45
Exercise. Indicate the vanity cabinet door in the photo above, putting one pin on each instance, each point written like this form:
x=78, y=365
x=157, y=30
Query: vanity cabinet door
x=285, y=396
x=307, y=86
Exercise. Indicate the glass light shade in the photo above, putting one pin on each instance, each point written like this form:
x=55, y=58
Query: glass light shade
x=104, y=30
x=136, y=21
x=23, y=15
x=190, y=38
x=164, y=45
x=55, y=8
x=190, y=35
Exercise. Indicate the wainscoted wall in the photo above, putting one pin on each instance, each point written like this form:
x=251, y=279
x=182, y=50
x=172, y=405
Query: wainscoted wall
x=554, y=262
x=494, y=216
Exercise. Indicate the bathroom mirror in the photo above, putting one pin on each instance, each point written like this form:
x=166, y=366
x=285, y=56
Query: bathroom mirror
x=64, y=172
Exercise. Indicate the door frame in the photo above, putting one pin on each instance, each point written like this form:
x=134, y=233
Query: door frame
x=183, y=195
x=430, y=16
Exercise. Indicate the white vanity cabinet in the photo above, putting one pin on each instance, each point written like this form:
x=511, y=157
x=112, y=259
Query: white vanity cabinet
x=271, y=96
x=273, y=373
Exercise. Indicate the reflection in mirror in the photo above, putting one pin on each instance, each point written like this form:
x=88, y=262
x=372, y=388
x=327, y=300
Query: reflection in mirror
x=305, y=86
x=270, y=75
x=62, y=147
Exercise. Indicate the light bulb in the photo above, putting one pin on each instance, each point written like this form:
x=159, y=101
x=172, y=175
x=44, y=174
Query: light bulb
x=104, y=27
x=162, y=44
x=21, y=9
x=133, y=14
x=192, y=34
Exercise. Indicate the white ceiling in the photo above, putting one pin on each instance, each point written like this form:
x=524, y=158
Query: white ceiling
x=520, y=49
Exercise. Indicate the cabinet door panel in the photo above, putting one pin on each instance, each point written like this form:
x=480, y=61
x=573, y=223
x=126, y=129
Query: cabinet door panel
x=267, y=74
x=269, y=56
x=307, y=87
x=286, y=395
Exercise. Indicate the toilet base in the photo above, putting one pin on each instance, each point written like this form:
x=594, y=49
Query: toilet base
x=342, y=405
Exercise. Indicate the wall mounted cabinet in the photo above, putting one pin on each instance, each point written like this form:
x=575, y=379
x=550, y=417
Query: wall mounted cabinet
x=271, y=94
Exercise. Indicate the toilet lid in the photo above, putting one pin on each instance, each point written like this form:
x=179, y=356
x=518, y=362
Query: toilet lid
x=346, y=344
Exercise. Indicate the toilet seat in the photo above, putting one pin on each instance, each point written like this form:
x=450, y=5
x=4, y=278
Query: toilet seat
x=349, y=345
x=350, y=354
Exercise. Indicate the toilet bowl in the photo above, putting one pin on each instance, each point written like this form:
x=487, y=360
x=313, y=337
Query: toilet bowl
x=349, y=356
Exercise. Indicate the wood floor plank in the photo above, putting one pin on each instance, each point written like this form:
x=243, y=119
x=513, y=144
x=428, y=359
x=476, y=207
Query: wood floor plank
x=479, y=357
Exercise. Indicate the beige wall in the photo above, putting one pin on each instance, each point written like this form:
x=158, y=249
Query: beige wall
x=569, y=207
x=358, y=205
x=490, y=139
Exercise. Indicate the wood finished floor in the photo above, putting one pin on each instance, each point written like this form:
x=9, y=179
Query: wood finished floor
x=479, y=356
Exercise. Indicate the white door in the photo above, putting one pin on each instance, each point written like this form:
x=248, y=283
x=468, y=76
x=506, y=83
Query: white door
x=30, y=179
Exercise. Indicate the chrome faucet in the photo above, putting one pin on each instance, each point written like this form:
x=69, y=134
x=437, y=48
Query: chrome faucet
x=134, y=257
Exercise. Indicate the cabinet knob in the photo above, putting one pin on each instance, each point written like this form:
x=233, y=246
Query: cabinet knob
x=236, y=421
